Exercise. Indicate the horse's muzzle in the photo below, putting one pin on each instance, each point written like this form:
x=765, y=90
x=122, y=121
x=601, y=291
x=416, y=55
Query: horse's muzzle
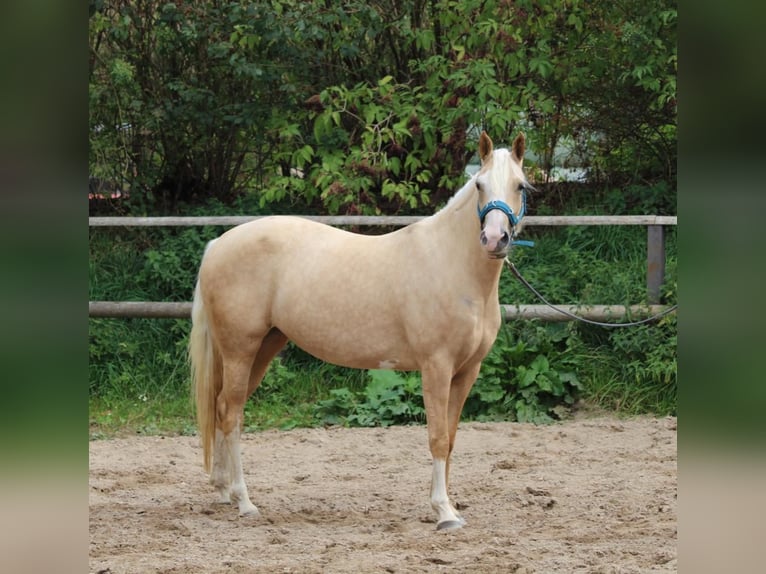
x=497, y=247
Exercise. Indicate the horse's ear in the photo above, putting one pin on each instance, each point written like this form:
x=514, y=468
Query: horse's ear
x=519, y=146
x=485, y=146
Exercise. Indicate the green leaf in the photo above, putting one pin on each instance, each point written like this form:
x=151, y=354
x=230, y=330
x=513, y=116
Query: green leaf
x=540, y=364
x=544, y=383
x=571, y=379
x=394, y=165
x=526, y=376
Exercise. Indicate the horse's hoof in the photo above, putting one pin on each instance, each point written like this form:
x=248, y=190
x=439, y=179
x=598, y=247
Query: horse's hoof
x=450, y=524
x=251, y=511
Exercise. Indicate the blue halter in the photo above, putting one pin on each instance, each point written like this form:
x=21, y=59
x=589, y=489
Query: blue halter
x=512, y=217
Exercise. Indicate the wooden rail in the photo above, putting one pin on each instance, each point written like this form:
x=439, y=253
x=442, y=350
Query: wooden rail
x=654, y=277
x=373, y=220
x=182, y=310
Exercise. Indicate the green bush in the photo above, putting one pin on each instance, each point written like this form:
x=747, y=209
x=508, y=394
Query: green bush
x=523, y=377
x=389, y=398
x=373, y=102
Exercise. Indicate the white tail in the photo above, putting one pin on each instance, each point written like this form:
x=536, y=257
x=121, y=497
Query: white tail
x=206, y=376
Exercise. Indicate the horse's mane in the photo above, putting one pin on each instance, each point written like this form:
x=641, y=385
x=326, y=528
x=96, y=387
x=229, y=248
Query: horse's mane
x=457, y=198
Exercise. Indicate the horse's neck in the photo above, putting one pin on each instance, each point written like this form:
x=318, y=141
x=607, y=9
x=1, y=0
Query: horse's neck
x=456, y=230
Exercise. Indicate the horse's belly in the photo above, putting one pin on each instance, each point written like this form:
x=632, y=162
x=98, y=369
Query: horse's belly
x=359, y=351
x=369, y=338
x=348, y=337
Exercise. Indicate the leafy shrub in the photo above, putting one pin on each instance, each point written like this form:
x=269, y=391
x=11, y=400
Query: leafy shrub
x=138, y=359
x=133, y=358
x=518, y=381
x=207, y=99
x=389, y=398
x=171, y=264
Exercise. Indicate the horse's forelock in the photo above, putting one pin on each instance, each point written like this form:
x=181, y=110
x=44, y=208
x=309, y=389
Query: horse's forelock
x=504, y=165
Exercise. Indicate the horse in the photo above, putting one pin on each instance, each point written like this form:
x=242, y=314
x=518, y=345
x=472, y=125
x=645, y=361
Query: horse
x=420, y=298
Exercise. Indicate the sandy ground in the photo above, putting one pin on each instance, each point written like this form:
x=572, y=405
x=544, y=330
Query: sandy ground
x=595, y=495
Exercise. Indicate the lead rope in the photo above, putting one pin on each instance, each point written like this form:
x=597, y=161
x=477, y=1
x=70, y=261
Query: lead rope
x=526, y=284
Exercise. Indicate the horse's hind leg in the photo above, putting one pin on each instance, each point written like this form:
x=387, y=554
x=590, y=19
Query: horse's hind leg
x=230, y=407
x=220, y=476
x=227, y=476
x=274, y=342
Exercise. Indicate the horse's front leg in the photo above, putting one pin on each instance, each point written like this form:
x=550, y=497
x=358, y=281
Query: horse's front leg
x=459, y=389
x=436, y=394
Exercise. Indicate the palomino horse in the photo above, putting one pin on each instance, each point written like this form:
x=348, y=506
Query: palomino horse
x=422, y=298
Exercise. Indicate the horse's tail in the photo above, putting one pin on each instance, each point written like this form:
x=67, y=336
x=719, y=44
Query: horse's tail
x=206, y=375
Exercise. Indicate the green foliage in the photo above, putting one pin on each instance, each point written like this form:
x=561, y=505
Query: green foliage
x=186, y=99
x=141, y=359
x=372, y=161
x=138, y=359
x=389, y=398
x=518, y=381
x=292, y=387
x=631, y=370
x=367, y=107
x=649, y=354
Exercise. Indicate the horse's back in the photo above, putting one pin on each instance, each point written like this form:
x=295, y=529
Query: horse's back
x=291, y=246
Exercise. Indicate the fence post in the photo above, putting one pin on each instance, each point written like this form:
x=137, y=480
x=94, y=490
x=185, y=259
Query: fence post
x=655, y=262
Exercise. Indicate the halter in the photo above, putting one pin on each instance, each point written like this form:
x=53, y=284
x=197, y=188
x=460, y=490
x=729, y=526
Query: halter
x=513, y=219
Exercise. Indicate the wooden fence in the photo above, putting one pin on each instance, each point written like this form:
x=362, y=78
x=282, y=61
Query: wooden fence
x=655, y=263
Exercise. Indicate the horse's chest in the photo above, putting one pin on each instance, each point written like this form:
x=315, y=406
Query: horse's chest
x=478, y=313
x=475, y=328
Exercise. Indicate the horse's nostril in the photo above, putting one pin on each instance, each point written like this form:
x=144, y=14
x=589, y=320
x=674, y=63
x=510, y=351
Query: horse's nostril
x=504, y=240
x=483, y=238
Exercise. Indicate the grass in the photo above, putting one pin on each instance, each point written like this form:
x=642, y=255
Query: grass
x=113, y=417
x=288, y=397
x=133, y=402
x=617, y=395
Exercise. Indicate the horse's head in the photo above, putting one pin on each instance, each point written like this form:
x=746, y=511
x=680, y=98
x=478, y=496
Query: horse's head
x=501, y=188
